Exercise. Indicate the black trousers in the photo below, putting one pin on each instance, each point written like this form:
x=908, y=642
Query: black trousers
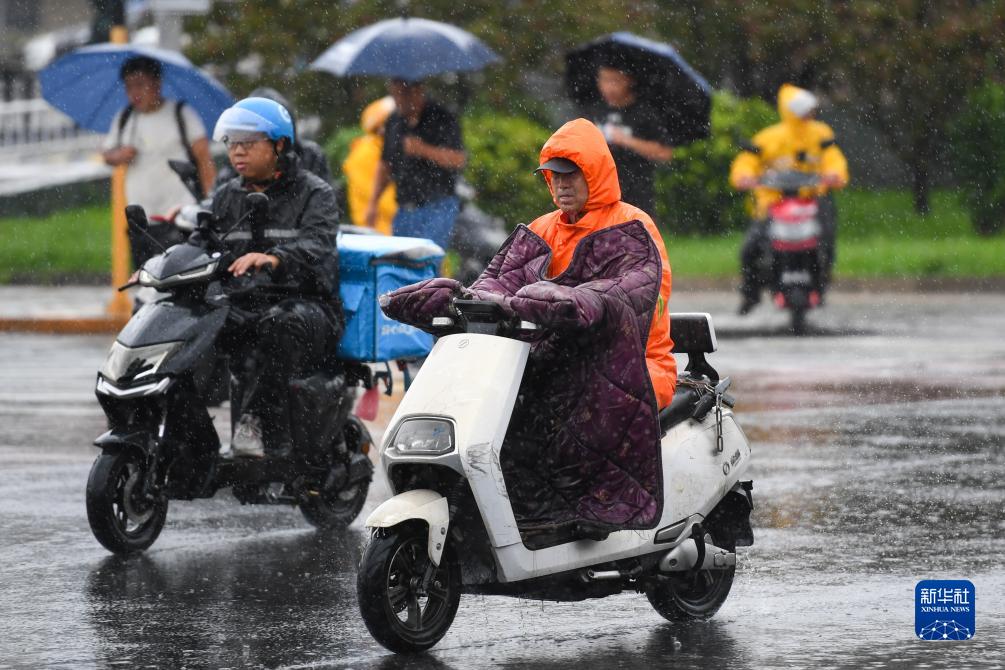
x=757, y=247
x=288, y=340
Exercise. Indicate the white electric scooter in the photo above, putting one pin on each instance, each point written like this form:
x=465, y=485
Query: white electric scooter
x=450, y=527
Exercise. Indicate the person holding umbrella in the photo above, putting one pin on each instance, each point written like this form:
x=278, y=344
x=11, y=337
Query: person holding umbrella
x=645, y=98
x=423, y=152
x=145, y=135
x=634, y=132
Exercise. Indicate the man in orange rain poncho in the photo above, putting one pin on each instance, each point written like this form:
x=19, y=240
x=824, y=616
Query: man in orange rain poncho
x=580, y=171
x=581, y=457
x=360, y=166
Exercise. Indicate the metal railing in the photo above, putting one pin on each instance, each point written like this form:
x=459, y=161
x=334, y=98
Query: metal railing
x=33, y=128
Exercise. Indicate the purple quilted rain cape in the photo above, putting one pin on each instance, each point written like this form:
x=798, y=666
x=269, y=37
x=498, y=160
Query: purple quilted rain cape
x=583, y=443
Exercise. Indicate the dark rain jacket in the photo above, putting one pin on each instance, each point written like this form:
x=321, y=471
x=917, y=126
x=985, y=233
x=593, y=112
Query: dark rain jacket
x=299, y=228
x=583, y=442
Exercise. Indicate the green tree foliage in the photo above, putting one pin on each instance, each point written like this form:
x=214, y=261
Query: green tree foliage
x=502, y=154
x=338, y=145
x=271, y=42
x=978, y=140
x=754, y=46
x=907, y=63
x=910, y=63
x=693, y=193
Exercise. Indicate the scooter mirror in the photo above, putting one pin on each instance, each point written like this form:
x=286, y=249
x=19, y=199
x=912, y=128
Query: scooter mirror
x=257, y=200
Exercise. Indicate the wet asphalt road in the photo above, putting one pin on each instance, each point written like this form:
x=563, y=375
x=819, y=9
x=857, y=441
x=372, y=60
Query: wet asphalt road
x=879, y=460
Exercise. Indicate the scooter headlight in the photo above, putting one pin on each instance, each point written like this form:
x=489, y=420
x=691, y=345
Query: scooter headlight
x=431, y=437
x=147, y=279
x=132, y=364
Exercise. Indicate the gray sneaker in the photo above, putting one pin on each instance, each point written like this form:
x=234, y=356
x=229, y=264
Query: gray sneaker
x=247, y=440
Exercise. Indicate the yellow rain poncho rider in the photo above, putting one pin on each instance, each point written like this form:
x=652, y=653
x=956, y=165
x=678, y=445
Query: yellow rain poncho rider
x=361, y=165
x=798, y=142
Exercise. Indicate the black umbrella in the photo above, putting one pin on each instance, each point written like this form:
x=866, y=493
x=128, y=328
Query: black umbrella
x=663, y=78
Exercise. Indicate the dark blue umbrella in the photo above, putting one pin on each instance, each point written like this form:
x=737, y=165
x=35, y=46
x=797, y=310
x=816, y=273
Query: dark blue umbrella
x=405, y=48
x=662, y=76
x=85, y=84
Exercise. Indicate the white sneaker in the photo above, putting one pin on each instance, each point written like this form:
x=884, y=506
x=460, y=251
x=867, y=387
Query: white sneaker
x=247, y=440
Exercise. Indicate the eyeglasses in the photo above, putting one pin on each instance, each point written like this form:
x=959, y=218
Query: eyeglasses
x=240, y=144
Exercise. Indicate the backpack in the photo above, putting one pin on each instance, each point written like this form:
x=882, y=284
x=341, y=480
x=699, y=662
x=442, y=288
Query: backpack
x=182, y=131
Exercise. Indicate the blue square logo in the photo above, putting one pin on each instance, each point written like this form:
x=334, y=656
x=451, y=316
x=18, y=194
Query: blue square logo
x=944, y=609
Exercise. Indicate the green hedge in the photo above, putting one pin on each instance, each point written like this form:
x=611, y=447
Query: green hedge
x=978, y=149
x=502, y=154
x=337, y=148
x=693, y=195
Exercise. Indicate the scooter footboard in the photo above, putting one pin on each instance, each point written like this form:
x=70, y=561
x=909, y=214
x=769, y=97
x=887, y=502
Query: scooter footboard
x=421, y=504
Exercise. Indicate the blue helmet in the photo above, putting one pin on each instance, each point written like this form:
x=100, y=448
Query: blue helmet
x=255, y=115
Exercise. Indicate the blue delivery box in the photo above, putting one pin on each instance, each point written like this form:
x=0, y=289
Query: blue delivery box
x=370, y=265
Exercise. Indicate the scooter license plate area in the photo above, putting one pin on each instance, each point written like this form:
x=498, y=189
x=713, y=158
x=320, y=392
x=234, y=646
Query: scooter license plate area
x=791, y=232
x=796, y=278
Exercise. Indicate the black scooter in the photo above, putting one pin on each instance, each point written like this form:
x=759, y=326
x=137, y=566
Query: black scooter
x=161, y=444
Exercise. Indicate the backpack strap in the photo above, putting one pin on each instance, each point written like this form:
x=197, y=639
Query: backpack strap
x=123, y=120
x=183, y=132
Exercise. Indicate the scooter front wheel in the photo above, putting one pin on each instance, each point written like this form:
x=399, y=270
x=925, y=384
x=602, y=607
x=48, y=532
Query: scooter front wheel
x=689, y=596
x=401, y=613
x=334, y=510
x=122, y=519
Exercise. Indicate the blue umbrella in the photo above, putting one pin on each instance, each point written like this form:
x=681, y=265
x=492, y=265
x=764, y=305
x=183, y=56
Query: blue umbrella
x=85, y=84
x=405, y=48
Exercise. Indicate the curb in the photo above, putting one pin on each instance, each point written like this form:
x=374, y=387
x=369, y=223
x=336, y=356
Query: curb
x=869, y=285
x=69, y=326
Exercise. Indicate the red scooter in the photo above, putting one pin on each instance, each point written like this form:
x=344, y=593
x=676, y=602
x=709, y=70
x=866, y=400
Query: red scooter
x=793, y=270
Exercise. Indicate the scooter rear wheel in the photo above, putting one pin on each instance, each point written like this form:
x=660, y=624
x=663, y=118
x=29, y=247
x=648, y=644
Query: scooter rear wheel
x=120, y=516
x=396, y=610
x=688, y=596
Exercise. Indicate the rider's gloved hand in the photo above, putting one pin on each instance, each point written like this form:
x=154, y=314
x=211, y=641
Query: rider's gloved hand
x=418, y=304
x=549, y=304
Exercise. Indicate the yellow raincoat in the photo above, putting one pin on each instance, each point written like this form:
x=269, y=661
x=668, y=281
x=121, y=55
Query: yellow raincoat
x=794, y=144
x=360, y=166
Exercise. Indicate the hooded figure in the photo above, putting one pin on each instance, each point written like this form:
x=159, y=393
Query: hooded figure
x=361, y=164
x=799, y=142
x=582, y=143
x=581, y=456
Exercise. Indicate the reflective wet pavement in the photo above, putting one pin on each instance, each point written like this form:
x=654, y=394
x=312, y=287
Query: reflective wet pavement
x=879, y=446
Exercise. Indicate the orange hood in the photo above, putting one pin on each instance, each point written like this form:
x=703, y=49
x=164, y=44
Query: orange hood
x=582, y=143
